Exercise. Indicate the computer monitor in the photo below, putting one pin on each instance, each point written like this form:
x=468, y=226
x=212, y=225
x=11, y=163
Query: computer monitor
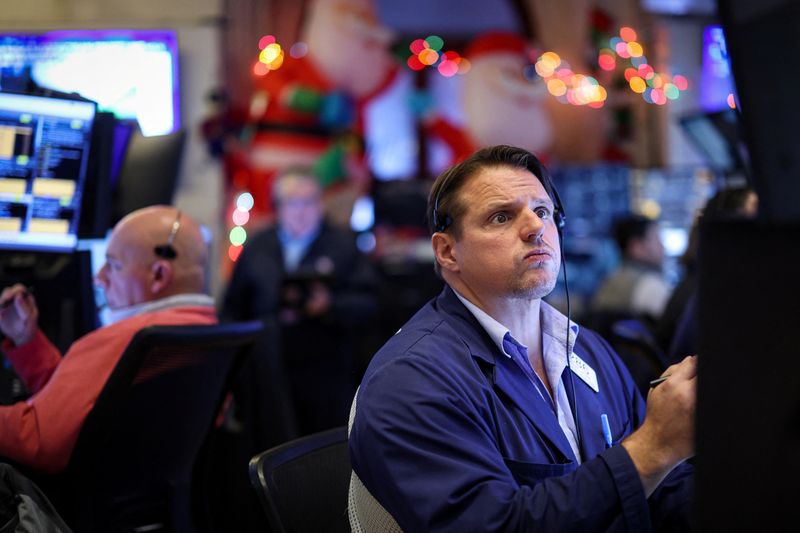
x=149, y=172
x=44, y=152
x=718, y=136
x=132, y=73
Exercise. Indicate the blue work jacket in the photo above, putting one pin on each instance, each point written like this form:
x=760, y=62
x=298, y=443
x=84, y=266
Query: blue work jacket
x=450, y=435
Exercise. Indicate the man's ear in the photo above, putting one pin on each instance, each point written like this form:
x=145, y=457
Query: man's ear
x=161, y=275
x=444, y=250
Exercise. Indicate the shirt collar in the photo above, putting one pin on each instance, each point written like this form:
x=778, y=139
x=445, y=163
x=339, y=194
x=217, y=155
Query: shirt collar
x=178, y=300
x=553, y=324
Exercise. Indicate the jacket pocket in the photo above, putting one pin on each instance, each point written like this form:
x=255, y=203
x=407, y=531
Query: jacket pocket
x=532, y=473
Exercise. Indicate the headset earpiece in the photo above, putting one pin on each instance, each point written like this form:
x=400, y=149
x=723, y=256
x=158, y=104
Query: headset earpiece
x=560, y=219
x=440, y=226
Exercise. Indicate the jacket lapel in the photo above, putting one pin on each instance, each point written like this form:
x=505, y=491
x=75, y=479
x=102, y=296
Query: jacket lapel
x=509, y=382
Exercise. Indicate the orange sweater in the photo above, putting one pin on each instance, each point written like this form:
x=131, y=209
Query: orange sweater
x=41, y=431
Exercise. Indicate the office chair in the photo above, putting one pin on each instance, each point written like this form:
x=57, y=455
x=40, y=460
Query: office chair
x=303, y=484
x=133, y=463
x=636, y=345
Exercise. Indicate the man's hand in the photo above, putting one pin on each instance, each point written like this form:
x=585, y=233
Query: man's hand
x=19, y=315
x=319, y=300
x=667, y=436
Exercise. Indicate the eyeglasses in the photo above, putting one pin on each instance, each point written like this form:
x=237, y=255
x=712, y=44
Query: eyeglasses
x=167, y=251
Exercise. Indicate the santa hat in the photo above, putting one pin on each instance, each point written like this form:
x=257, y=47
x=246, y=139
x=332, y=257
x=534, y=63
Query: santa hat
x=493, y=42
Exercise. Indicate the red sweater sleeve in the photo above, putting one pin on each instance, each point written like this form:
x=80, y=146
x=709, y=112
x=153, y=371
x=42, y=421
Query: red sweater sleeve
x=41, y=432
x=34, y=361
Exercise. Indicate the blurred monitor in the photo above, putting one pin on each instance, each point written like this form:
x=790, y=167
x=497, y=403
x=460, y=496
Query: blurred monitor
x=680, y=7
x=149, y=172
x=132, y=73
x=44, y=151
x=717, y=136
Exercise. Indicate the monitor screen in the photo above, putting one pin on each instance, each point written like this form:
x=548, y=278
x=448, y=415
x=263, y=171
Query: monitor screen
x=132, y=73
x=717, y=136
x=44, y=152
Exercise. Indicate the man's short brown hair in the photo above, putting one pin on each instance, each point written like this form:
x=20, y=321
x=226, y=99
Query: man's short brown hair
x=445, y=208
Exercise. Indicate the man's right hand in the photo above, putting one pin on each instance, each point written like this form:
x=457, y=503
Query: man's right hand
x=19, y=315
x=666, y=438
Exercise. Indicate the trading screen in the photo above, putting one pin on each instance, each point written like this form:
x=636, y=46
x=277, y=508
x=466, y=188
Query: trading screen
x=44, y=151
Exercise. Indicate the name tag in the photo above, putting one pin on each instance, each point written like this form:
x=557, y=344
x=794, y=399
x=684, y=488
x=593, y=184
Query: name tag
x=583, y=371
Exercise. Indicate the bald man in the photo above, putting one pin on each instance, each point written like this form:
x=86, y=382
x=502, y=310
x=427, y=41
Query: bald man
x=153, y=275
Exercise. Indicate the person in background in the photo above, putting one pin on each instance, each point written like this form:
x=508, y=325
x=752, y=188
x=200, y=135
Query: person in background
x=470, y=419
x=676, y=331
x=311, y=277
x=638, y=287
x=154, y=275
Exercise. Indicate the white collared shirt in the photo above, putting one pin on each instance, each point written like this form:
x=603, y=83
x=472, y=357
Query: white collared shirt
x=554, y=354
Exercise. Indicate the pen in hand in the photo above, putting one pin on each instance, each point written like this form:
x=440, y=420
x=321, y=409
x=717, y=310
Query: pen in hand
x=655, y=382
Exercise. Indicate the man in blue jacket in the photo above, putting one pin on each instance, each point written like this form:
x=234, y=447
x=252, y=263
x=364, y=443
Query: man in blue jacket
x=474, y=418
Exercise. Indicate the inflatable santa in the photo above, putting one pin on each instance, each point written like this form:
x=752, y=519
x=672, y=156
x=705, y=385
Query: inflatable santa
x=500, y=105
x=308, y=111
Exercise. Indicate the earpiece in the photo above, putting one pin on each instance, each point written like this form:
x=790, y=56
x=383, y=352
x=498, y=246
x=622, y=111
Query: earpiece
x=439, y=225
x=167, y=251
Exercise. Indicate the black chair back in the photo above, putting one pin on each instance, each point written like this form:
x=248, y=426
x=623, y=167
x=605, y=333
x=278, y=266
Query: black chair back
x=132, y=466
x=303, y=484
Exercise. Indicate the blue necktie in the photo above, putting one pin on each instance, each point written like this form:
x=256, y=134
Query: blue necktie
x=520, y=356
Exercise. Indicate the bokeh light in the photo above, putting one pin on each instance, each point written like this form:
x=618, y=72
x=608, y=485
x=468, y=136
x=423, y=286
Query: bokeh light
x=428, y=56
x=234, y=252
x=298, y=50
x=428, y=53
x=270, y=53
x=655, y=87
x=634, y=49
x=271, y=56
x=655, y=81
x=417, y=46
x=245, y=201
x=645, y=72
x=414, y=63
x=627, y=33
x=265, y=41
x=237, y=236
x=567, y=86
x=637, y=84
x=556, y=87
x=260, y=69
x=671, y=91
x=435, y=42
x=606, y=60
x=240, y=216
x=448, y=68
x=731, y=101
